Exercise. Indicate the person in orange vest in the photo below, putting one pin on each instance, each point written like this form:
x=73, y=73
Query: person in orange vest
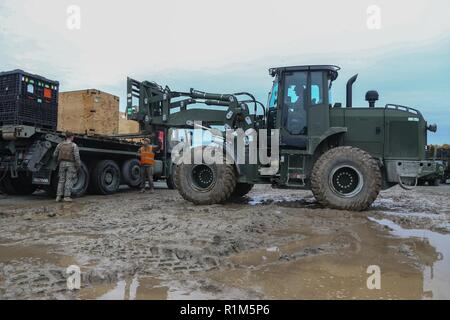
x=147, y=161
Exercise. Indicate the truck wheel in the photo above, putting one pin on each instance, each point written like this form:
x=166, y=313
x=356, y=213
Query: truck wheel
x=170, y=183
x=346, y=178
x=6, y=186
x=241, y=190
x=131, y=173
x=2, y=185
x=105, y=178
x=205, y=184
x=22, y=185
x=81, y=184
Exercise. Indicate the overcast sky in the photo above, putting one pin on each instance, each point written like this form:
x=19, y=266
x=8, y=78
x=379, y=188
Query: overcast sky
x=227, y=46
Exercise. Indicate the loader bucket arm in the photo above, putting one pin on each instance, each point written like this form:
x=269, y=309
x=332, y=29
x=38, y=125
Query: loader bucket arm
x=155, y=106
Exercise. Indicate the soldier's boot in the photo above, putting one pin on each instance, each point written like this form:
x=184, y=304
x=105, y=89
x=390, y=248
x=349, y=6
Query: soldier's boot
x=142, y=190
x=68, y=199
x=58, y=199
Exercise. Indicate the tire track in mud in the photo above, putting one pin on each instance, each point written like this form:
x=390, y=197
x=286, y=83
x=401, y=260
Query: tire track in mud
x=162, y=235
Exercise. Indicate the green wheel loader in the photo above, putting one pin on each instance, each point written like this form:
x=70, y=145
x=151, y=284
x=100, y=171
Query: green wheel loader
x=345, y=155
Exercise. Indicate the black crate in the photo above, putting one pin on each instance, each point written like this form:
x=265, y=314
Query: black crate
x=18, y=112
x=26, y=85
x=30, y=99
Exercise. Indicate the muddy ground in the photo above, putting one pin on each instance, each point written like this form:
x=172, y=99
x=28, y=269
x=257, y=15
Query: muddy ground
x=273, y=244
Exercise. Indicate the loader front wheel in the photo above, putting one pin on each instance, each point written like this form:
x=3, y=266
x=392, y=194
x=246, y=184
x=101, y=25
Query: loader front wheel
x=346, y=178
x=205, y=183
x=241, y=190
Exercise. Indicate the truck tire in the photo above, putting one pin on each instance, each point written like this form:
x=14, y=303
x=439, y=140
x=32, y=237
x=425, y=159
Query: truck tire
x=241, y=190
x=105, y=177
x=205, y=184
x=6, y=187
x=131, y=173
x=2, y=179
x=22, y=185
x=346, y=178
x=81, y=185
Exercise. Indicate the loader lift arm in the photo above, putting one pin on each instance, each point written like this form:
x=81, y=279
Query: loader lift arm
x=156, y=108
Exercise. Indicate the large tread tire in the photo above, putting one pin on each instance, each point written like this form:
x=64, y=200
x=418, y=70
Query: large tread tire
x=346, y=156
x=223, y=183
x=131, y=173
x=99, y=181
x=241, y=190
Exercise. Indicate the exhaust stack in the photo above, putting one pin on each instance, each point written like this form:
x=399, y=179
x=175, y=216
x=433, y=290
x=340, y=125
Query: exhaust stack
x=350, y=91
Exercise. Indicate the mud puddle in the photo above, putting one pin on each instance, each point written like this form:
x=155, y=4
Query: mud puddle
x=332, y=267
x=41, y=254
x=146, y=288
x=150, y=288
x=436, y=275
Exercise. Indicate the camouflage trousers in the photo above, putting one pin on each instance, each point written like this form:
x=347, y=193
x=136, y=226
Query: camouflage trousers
x=67, y=177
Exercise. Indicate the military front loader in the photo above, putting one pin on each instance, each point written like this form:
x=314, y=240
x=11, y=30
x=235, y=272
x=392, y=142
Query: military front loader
x=345, y=155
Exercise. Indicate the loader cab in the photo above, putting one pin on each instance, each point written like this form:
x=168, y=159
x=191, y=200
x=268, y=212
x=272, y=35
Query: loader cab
x=299, y=103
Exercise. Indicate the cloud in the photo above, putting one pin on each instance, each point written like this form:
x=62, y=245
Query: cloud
x=228, y=45
x=118, y=38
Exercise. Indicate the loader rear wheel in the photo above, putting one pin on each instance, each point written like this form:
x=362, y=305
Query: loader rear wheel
x=205, y=184
x=131, y=173
x=346, y=178
x=105, y=177
x=242, y=189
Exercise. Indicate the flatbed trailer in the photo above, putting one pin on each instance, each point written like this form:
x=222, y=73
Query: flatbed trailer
x=27, y=164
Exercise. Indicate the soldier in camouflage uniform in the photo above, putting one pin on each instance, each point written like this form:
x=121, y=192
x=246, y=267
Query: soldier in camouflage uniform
x=68, y=157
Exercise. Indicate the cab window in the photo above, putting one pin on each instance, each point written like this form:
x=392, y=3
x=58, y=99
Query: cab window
x=316, y=88
x=273, y=97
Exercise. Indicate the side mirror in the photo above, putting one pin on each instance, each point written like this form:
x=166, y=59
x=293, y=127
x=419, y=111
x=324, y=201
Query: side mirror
x=432, y=127
x=337, y=105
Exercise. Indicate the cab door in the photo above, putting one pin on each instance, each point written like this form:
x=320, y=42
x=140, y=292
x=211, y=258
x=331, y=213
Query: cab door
x=294, y=101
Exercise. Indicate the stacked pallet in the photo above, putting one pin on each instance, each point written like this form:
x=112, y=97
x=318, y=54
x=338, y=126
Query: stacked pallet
x=127, y=126
x=88, y=112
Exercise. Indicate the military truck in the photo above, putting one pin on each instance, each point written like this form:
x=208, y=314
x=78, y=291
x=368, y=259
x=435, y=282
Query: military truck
x=26, y=162
x=344, y=155
x=441, y=154
x=28, y=136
